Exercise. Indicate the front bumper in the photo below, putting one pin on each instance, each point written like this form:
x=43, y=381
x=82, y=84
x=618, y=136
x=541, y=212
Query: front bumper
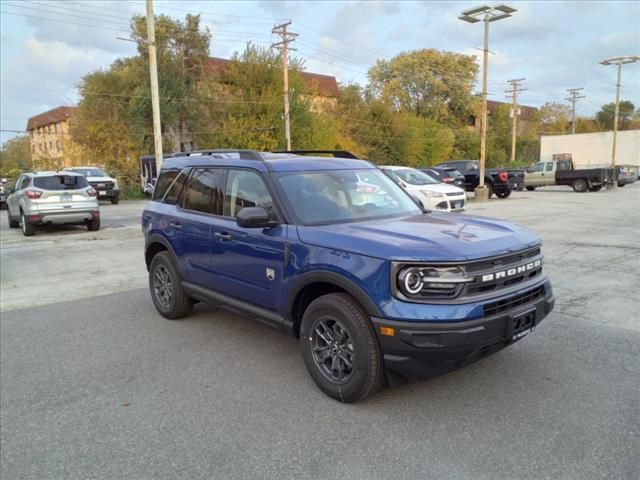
x=426, y=349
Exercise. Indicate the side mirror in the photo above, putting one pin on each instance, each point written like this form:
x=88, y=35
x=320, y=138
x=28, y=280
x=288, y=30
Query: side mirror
x=254, y=217
x=419, y=203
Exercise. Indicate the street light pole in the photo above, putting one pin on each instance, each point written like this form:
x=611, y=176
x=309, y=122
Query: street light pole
x=486, y=14
x=155, y=97
x=619, y=61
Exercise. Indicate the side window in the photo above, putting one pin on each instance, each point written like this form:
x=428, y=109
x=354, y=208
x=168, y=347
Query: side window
x=246, y=189
x=25, y=182
x=204, y=191
x=175, y=189
x=164, y=182
x=549, y=166
x=538, y=167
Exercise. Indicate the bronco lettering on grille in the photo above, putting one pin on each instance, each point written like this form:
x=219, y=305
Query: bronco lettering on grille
x=527, y=267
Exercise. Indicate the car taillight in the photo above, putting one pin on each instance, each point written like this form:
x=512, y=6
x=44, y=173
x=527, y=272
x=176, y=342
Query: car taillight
x=503, y=176
x=447, y=179
x=33, y=194
x=92, y=192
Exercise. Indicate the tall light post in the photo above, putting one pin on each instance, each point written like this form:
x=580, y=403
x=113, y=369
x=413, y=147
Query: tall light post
x=486, y=14
x=619, y=61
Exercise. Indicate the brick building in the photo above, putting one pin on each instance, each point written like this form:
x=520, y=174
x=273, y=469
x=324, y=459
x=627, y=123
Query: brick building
x=49, y=138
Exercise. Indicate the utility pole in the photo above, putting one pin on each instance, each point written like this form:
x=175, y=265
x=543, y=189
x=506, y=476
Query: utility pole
x=516, y=88
x=485, y=14
x=619, y=61
x=155, y=97
x=573, y=99
x=284, y=48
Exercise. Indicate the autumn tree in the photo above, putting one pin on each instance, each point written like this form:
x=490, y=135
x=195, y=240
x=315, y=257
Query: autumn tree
x=15, y=156
x=429, y=83
x=554, y=117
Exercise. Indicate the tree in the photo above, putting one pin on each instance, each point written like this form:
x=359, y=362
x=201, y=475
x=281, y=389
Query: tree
x=430, y=83
x=625, y=118
x=113, y=123
x=15, y=156
x=554, y=117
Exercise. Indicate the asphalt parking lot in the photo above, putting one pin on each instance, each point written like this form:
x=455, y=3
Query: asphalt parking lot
x=95, y=384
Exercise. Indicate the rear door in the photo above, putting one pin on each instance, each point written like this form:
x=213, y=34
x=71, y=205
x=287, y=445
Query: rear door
x=201, y=206
x=250, y=262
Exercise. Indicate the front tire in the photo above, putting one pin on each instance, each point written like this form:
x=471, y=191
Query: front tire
x=165, y=286
x=579, y=185
x=340, y=349
x=595, y=188
x=28, y=230
x=531, y=189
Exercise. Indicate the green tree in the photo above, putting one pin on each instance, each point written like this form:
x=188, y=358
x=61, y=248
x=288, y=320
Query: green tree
x=15, y=156
x=625, y=117
x=428, y=82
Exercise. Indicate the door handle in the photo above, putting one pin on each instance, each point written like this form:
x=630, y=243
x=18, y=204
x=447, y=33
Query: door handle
x=176, y=226
x=224, y=236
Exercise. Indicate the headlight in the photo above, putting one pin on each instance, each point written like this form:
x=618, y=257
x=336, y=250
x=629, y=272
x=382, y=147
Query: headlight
x=430, y=282
x=429, y=193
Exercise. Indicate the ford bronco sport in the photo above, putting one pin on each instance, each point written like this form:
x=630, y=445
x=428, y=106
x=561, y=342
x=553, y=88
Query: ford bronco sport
x=332, y=251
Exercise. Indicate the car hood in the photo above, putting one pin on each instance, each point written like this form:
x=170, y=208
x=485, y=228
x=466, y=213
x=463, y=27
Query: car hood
x=429, y=237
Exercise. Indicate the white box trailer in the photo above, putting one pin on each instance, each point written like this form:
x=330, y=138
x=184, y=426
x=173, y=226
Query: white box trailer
x=593, y=150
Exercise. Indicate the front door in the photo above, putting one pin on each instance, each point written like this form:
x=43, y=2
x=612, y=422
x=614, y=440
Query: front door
x=534, y=175
x=251, y=260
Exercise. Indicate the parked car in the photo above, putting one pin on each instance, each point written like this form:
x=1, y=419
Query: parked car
x=449, y=176
x=432, y=193
x=3, y=193
x=106, y=186
x=42, y=198
x=562, y=172
x=625, y=176
x=497, y=181
x=372, y=290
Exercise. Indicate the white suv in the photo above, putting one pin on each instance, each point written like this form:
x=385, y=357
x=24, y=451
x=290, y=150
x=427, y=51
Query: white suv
x=432, y=193
x=106, y=186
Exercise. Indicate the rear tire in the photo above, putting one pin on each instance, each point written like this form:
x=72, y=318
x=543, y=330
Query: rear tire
x=28, y=230
x=595, y=188
x=531, y=189
x=12, y=223
x=115, y=200
x=621, y=185
x=503, y=194
x=579, y=185
x=94, y=224
x=165, y=286
x=340, y=349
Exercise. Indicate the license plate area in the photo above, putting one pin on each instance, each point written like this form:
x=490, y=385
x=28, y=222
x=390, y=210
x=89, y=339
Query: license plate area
x=522, y=323
x=65, y=197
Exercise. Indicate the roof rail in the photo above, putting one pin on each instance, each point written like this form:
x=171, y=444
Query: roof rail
x=244, y=154
x=335, y=153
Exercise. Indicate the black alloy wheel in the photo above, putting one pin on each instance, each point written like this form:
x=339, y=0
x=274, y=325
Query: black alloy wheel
x=333, y=351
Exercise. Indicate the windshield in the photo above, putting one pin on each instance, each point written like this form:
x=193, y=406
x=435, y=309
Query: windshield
x=61, y=182
x=90, y=172
x=341, y=196
x=414, y=177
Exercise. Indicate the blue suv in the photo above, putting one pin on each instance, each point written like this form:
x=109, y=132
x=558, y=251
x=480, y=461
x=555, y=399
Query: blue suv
x=333, y=252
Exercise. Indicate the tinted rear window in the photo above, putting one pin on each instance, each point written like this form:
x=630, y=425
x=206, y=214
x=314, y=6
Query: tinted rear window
x=164, y=182
x=60, y=182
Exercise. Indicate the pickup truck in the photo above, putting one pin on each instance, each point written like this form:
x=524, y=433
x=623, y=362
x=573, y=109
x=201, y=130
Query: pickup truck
x=498, y=181
x=562, y=172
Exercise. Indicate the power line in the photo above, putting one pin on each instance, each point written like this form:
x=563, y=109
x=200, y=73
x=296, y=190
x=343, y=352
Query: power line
x=63, y=21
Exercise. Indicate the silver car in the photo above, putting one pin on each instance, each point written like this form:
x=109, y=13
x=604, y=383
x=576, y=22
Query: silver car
x=41, y=198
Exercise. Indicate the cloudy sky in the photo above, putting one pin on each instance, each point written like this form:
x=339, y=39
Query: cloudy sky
x=47, y=46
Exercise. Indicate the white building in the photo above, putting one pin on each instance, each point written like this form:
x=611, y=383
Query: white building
x=592, y=150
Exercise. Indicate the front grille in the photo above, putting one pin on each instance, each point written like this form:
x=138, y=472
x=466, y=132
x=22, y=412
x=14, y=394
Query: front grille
x=453, y=194
x=102, y=185
x=493, y=308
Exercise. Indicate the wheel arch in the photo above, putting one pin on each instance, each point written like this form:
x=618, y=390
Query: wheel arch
x=155, y=244
x=313, y=285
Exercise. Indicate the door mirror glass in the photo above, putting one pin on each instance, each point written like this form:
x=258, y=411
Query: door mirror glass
x=254, y=217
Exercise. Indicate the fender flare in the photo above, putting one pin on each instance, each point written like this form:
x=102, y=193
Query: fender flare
x=334, y=278
x=157, y=238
